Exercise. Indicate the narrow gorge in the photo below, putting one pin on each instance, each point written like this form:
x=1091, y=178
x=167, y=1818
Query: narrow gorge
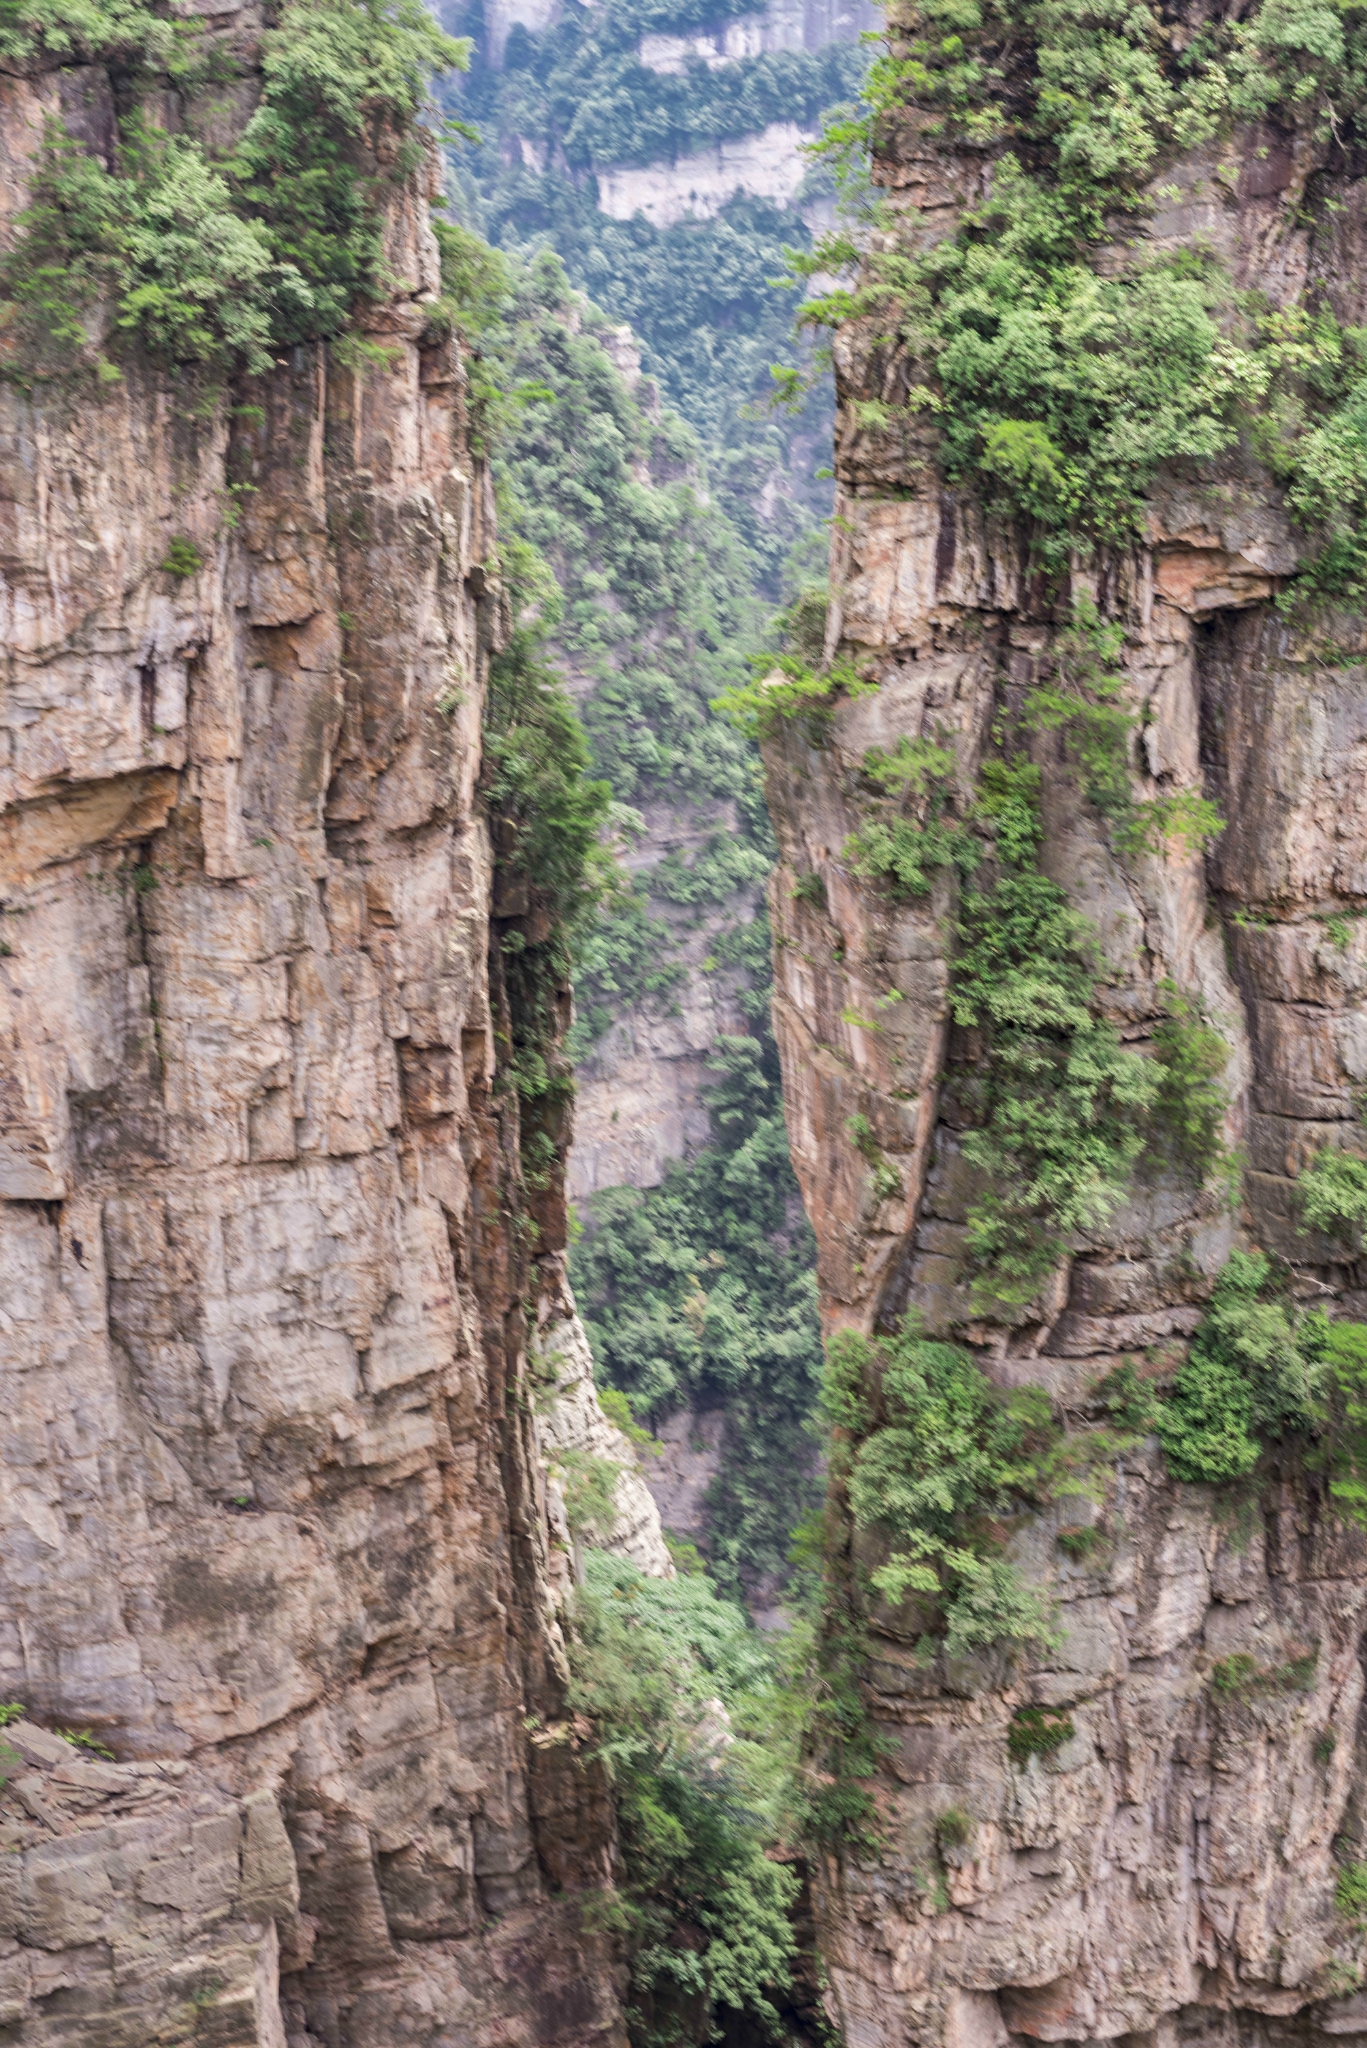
x=417, y=658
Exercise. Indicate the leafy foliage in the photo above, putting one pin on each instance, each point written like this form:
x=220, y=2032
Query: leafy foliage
x=702, y=1911
x=219, y=258
x=1060, y=384
x=702, y=1291
x=1084, y=698
x=1037, y=1731
x=1333, y=1196
x=783, y=687
x=907, y=852
x=953, y=1829
x=182, y=558
x=1063, y=1106
x=1262, y=1370
x=1189, y=1109
x=657, y=616
x=1241, y=1677
x=1255, y=1371
x=547, y=817
x=1343, y=1418
x=590, y=1490
x=698, y=293
x=932, y=1467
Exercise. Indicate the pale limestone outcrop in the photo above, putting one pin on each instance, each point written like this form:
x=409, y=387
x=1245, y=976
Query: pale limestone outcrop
x=571, y=1421
x=767, y=165
x=274, y=1520
x=141, y=1897
x=1170, y=1872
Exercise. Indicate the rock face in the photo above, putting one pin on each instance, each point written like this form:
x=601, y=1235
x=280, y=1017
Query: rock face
x=276, y=1525
x=642, y=1085
x=573, y=1426
x=1169, y=1872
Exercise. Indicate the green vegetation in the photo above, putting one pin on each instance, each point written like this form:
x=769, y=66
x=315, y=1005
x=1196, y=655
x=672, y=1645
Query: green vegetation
x=582, y=85
x=590, y=1490
x=659, y=614
x=1263, y=1370
x=618, y=1410
x=1063, y=1114
x=701, y=1911
x=1189, y=1107
x=701, y=1291
x=656, y=616
x=1037, y=1731
x=84, y=1738
x=1058, y=391
x=906, y=853
x=785, y=687
x=1333, y=1197
x=546, y=818
x=699, y=294
x=1081, y=1543
x=1350, y=1893
x=936, y=1457
x=213, y=253
x=182, y=558
x=1343, y=1418
x=1084, y=698
x=826, y=1656
x=885, y=1183
x=1255, y=1372
x=953, y=1829
x=1241, y=1677
x=1062, y=1108
x=1131, y=1402
x=907, y=856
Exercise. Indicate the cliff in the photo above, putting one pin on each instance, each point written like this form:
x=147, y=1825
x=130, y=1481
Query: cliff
x=1167, y=1861
x=278, y=1534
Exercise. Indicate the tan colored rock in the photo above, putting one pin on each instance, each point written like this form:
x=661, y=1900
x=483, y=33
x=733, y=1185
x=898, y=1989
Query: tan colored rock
x=1169, y=1873
x=274, y=1520
x=572, y=1423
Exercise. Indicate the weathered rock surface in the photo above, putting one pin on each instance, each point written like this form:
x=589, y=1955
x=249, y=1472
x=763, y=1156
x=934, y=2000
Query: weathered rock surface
x=275, y=1519
x=573, y=1425
x=1170, y=1872
x=640, y=1102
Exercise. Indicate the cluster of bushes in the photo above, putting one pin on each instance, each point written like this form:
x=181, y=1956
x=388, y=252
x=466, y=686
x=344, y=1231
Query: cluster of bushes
x=688, y=1705
x=217, y=254
x=1059, y=385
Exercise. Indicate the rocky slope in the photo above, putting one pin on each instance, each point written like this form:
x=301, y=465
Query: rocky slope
x=1169, y=1871
x=276, y=1520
